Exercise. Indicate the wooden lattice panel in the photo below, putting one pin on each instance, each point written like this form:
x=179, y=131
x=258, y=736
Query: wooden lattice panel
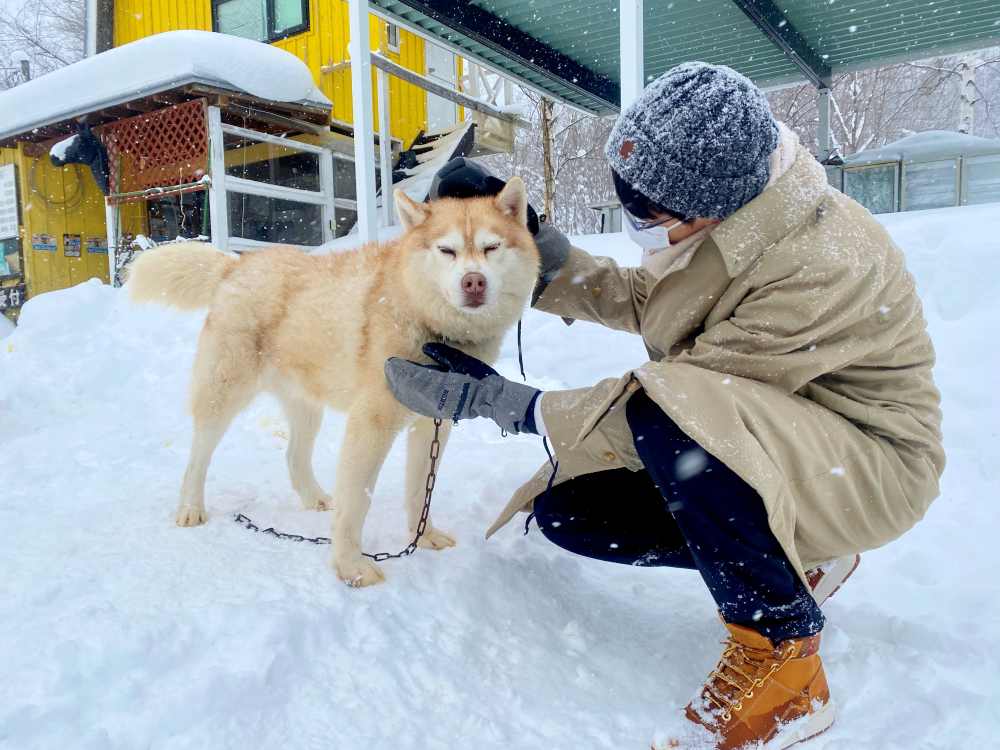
x=158, y=149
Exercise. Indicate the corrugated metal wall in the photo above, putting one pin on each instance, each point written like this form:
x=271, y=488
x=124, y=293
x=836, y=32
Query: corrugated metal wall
x=59, y=205
x=61, y=208
x=324, y=43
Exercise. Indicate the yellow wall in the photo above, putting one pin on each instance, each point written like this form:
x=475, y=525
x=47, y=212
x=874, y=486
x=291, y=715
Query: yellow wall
x=325, y=43
x=57, y=201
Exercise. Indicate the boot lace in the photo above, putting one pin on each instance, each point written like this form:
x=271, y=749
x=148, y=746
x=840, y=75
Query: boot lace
x=740, y=672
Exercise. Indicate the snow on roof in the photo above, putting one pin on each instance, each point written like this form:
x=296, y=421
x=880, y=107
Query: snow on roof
x=927, y=146
x=155, y=64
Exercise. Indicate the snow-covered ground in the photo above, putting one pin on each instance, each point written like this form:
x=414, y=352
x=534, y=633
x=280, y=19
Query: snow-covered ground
x=120, y=630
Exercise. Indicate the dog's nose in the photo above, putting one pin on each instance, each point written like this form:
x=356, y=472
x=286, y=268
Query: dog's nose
x=474, y=284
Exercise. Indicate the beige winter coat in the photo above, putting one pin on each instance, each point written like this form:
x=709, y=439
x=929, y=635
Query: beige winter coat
x=793, y=348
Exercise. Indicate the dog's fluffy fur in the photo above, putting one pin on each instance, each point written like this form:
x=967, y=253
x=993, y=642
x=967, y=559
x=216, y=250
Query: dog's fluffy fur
x=316, y=330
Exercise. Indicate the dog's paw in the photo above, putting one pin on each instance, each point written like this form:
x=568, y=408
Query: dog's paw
x=189, y=515
x=358, y=572
x=318, y=502
x=435, y=539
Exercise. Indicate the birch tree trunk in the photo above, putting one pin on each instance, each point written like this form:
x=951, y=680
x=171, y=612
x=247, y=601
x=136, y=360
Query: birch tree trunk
x=967, y=94
x=546, y=115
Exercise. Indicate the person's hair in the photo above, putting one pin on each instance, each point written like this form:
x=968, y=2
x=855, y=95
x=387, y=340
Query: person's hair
x=639, y=205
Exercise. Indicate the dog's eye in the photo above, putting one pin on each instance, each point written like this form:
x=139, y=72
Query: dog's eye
x=492, y=247
x=446, y=250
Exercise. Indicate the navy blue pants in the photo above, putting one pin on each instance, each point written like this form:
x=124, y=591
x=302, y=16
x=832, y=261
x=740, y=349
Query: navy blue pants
x=686, y=510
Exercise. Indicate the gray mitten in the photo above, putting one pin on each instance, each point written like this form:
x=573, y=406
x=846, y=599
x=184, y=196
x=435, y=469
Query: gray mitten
x=553, y=246
x=461, y=387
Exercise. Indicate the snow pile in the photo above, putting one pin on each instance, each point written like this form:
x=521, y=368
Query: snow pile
x=120, y=630
x=159, y=63
x=925, y=146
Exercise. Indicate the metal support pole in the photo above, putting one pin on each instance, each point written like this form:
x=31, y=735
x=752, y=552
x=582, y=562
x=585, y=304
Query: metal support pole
x=111, y=227
x=385, y=146
x=823, y=139
x=90, y=41
x=364, y=122
x=631, y=50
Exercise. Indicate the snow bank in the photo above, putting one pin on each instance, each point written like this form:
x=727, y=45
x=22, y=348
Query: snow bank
x=159, y=63
x=119, y=630
x=925, y=146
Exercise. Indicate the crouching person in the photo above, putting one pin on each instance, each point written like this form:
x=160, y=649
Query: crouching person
x=787, y=419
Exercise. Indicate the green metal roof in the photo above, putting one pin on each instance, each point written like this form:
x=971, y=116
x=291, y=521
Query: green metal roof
x=569, y=48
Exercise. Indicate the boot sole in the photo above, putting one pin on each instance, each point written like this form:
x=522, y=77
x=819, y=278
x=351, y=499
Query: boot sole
x=804, y=729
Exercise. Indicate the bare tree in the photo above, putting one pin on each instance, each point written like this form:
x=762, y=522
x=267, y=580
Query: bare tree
x=51, y=33
x=561, y=160
x=874, y=107
x=965, y=71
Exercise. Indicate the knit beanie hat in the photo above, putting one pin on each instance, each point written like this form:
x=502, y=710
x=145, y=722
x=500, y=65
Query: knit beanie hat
x=696, y=141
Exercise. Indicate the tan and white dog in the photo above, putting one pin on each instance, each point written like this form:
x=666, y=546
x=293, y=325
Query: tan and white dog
x=316, y=330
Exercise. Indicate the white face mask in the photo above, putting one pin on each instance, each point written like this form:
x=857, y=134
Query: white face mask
x=650, y=239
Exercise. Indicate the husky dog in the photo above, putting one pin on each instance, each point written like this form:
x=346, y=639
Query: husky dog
x=316, y=330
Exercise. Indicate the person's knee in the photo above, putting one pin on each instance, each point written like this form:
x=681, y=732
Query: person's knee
x=663, y=447
x=554, y=515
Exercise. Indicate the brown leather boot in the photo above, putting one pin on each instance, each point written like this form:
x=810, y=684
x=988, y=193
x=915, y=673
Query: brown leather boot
x=760, y=693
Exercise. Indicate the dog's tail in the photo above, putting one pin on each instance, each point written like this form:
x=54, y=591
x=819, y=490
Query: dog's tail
x=183, y=275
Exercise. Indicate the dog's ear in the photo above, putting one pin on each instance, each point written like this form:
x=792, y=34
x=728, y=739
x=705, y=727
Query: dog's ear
x=513, y=200
x=410, y=214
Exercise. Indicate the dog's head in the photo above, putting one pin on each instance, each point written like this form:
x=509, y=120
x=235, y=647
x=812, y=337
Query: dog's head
x=475, y=255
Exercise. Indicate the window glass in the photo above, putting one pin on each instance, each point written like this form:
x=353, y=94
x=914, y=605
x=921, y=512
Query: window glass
x=344, y=220
x=872, y=187
x=256, y=217
x=392, y=36
x=981, y=178
x=930, y=185
x=271, y=163
x=288, y=14
x=182, y=215
x=10, y=256
x=245, y=18
x=344, y=185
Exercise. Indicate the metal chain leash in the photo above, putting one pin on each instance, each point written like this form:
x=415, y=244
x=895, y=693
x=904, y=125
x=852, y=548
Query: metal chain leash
x=435, y=453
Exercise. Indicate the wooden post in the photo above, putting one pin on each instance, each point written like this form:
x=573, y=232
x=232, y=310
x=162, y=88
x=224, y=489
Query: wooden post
x=385, y=146
x=364, y=123
x=218, y=204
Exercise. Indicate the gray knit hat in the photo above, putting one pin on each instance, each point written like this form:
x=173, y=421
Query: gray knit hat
x=697, y=141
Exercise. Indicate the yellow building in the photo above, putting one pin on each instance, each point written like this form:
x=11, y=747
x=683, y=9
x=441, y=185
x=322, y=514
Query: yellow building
x=315, y=31
x=285, y=171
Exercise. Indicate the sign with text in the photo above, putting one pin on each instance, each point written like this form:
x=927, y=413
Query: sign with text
x=8, y=203
x=71, y=245
x=97, y=245
x=12, y=296
x=43, y=243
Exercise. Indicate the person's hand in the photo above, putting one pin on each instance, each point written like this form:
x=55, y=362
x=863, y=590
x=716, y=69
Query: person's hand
x=464, y=178
x=461, y=387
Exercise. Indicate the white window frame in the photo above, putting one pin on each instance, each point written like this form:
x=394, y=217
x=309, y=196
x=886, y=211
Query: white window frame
x=223, y=184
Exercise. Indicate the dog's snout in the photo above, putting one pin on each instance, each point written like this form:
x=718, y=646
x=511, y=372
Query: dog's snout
x=474, y=284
